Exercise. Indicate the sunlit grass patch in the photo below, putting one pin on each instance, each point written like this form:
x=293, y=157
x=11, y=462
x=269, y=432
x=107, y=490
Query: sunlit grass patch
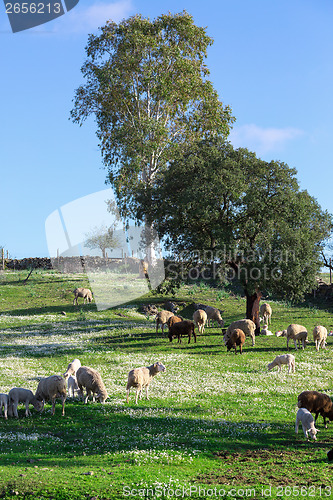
x=212, y=418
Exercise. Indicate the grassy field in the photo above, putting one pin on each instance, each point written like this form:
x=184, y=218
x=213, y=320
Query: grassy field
x=216, y=425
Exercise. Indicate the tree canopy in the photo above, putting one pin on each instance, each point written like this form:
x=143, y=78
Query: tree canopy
x=147, y=87
x=227, y=208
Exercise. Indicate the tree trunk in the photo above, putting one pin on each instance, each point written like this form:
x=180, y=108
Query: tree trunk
x=252, y=301
x=150, y=242
x=252, y=308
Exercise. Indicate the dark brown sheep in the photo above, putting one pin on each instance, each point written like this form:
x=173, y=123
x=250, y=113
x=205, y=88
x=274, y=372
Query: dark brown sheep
x=237, y=338
x=182, y=328
x=317, y=403
x=172, y=320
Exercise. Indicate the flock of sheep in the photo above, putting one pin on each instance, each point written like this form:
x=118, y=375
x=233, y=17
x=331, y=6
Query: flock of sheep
x=51, y=388
x=78, y=378
x=234, y=336
x=83, y=377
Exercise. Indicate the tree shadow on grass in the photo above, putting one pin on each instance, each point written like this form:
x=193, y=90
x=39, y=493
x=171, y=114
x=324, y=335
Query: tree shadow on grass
x=130, y=427
x=67, y=308
x=103, y=437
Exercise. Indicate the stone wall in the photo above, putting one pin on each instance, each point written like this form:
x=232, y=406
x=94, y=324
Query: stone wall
x=75, y=264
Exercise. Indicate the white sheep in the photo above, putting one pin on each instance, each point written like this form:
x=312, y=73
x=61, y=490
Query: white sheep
x=92, y=381
x=200, y=319
x=307, y=420
x=51, y=388
x=18, y=395
x=266, y=312
x=283, y=359
x=141, y=377
x=4, y=404
x=213, y=314
x=302, y=339
x=72, y=385
x=246, y=325
x=319, y=336
x=72, y=368
x=162, y=319
x=318, y=403
x=296, y=333
x=85, y=293
x=265, y=331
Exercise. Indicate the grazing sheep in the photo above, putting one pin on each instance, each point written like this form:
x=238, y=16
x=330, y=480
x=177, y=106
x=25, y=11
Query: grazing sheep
x=281, y=333
x=200, y=318
x=72, y=368
x=237, y=338
x=302, y=339
x=4, y=403
x=182, y=328
x=18, y=395
x=51, y=388
x=317, y=403
x=319, y=336
x=72, y=385
x=246, y=325
x=266, y=312
x=172, y=320
x=213, y=314
x=92, y=381
x=296, y=333
x=308, y=424
x=283, y=359
x=82, y=292
x=330, y=455
x=162, y=319
x=141, y=377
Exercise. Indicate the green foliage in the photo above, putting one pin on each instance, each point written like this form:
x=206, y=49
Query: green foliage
x=228, y=209
x=146, y=85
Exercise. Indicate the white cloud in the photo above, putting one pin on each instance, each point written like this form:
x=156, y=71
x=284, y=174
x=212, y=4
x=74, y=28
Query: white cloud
x=263, y=140
x=83, y=19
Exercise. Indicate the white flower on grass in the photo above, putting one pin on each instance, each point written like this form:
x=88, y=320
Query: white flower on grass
x=20, y=436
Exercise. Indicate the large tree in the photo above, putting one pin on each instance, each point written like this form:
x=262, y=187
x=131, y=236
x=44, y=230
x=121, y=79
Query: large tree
x=226, y=208
x=147, y=87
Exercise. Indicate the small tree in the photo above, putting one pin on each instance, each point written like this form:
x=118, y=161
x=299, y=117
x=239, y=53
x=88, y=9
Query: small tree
x=228, y=208
x=146, y=85
x=103, y=238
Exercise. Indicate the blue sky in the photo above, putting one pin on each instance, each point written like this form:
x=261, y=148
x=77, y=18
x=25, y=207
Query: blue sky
x=270, y=61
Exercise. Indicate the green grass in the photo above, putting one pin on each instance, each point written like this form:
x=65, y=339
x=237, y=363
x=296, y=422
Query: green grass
x=213, y=420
